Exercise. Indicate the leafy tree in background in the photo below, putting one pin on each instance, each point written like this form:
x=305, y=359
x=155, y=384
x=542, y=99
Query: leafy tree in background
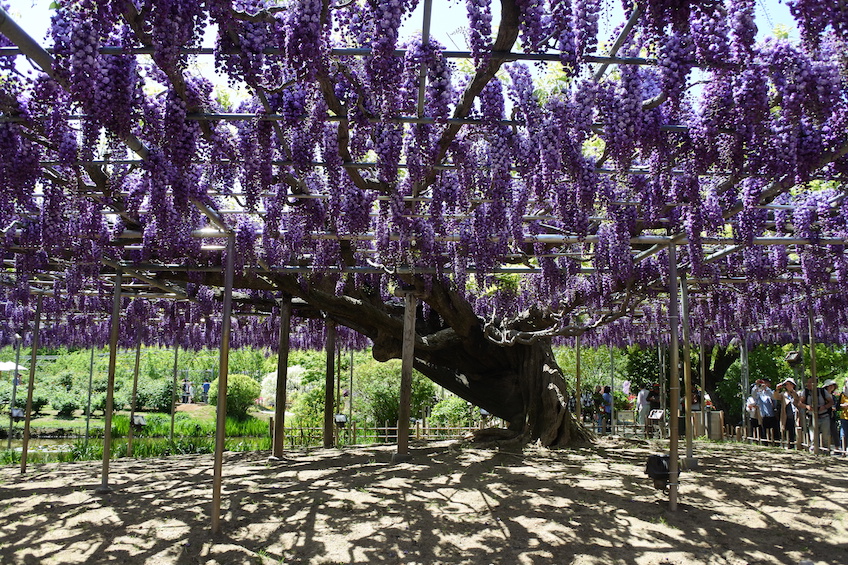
x=378, y=392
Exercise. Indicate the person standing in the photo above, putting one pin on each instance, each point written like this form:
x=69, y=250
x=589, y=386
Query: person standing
x=841, y=406
x=764, y=397
x=824, y=404
x=607, y=414
x=204, y=396
x=642, y=404
x=185, y=389
x=787, y=396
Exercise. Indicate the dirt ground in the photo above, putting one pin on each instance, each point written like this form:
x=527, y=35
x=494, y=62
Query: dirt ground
x=453, y=503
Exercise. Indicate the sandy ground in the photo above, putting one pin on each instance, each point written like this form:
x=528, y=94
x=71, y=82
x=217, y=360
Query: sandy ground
x=453, y=503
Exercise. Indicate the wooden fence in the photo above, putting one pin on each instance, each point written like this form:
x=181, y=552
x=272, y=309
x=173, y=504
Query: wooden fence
x=353, y=434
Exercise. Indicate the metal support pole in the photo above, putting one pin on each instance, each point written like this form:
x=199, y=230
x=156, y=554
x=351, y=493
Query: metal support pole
x=691, y=461
x=408, y=355
x=350, y=399
x=31, y=383
x=110, y=382
x=174, y=390
x=134, y=393
x=675, y=378
x=15, y=376
x=88, y=402
x=282, y=378
x=223, y=372
x=578, y=391
x=329, y=381
x=814, y=396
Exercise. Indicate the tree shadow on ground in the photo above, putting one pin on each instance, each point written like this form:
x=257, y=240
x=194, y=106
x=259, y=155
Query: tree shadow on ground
x=453, y=503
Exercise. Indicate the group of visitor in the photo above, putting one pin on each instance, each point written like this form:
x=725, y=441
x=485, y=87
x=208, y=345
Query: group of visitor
x=188, y=391
x=777, y=414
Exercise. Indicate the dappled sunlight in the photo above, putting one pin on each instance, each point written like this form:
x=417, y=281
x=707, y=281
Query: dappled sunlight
x=453, y=503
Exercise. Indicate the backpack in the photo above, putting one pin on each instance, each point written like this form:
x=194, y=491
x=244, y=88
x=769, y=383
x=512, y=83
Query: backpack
x=657, y=469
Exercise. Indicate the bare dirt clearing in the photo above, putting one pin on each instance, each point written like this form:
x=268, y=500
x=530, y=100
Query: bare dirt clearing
x=453, y=503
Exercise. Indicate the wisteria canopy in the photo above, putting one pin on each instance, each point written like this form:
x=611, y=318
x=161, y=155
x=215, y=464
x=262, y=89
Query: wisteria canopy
x=529, y=189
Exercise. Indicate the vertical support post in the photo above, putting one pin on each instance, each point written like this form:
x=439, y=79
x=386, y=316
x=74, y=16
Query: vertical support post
x=612, y=391
x=814, y=397
x=134, y=392
x=15, y=376
x=110, y=382
x=88, y=402
x=706, y=415
x=408, y=355
x=174, y=389
x=687, y=372
x=746, y=382
x=223, y=373
x=338, y=399
x=31, y=383
x=329, y=381
x=577, y=386
x=282, y=378
x=350, y=399
x=674, y=387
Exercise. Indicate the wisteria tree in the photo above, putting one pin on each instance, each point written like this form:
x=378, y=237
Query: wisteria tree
x=362, y=161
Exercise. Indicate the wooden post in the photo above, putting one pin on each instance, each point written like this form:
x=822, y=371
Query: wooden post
x=15, y=377
x=329, y=381
x=814, y=397
x=134, y=393
x=611, y=422
x=88, y=403
x=577, y=386
x=706, y=415
x=691, y=461
x=350, y=398
x=746, y=384
x=31, y=382
x=282, y=378
x=174, y=390
x=674, y=387
x=110, y=383
x=408, y=355
x=223, y=373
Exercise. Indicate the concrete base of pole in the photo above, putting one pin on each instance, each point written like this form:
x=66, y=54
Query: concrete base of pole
x=274, y=458
x=401, y=457
x=691, y=463
x=103, y=490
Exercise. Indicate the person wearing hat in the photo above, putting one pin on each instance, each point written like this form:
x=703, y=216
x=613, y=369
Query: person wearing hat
x=824, y=404
x=841, y=406
x=764, y=399
x=787, y=396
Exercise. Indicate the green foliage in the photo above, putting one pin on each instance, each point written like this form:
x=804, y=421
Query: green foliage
x=155, y=395
x=65, y=404
x=378, y=391
x=242, y=392
x=594, y=366
x=452, y=412
x=309, y=407
x=642, y=367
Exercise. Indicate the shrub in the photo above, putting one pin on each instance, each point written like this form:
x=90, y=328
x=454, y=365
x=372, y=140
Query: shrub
x=156, y=395
x=453, y=412
x=66, y=404
x=242, y=392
